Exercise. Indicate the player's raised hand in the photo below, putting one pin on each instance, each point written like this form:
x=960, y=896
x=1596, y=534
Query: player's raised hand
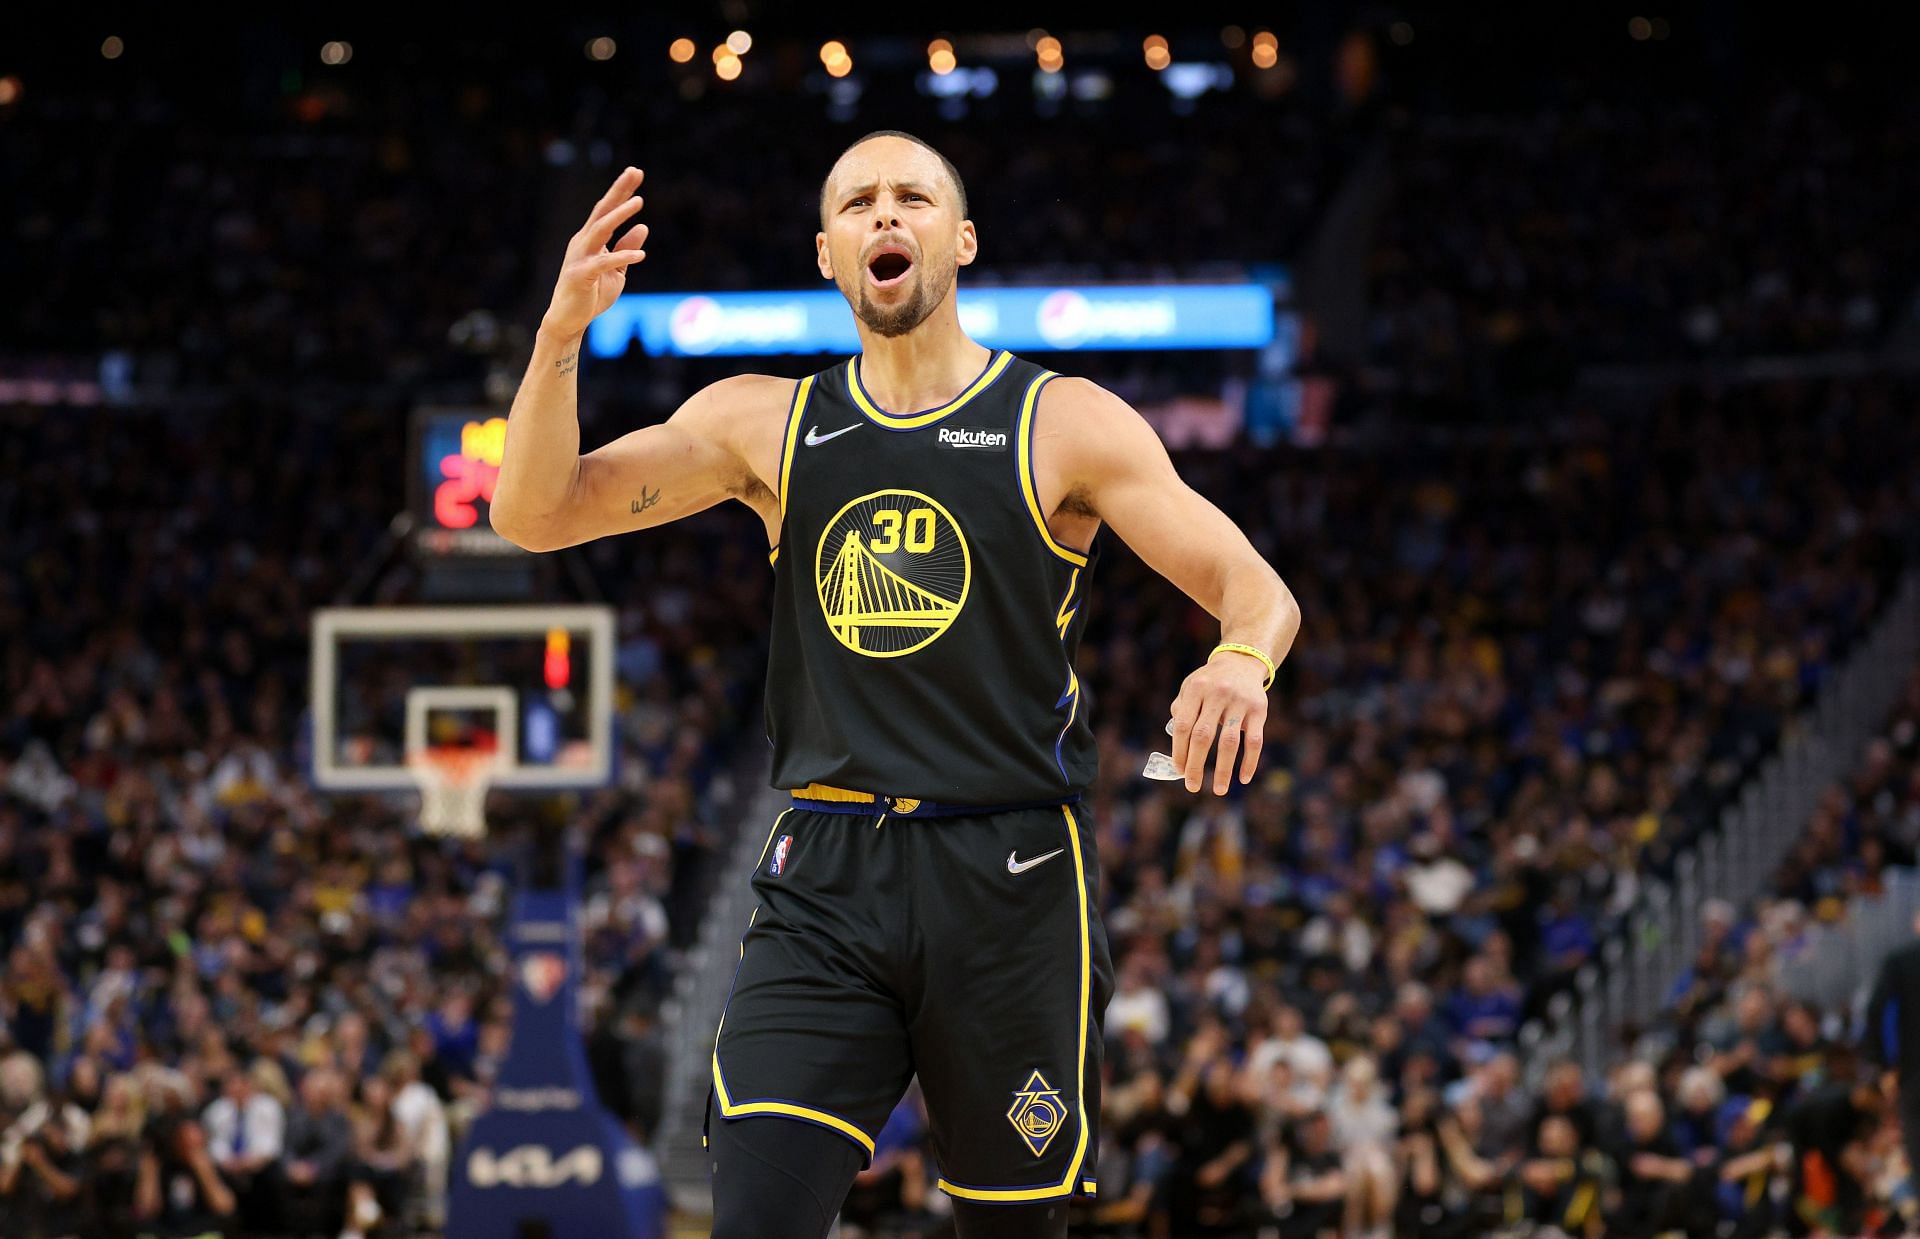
x=1225, y=699
x=594, y=274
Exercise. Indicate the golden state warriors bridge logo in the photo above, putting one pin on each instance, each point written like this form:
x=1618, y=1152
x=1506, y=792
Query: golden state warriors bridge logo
x=1037, y=1113
x=893, y=570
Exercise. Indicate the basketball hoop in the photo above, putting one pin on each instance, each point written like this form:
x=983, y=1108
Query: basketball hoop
x=453, y=781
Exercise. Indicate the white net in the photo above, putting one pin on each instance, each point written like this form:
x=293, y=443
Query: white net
x=453, y=782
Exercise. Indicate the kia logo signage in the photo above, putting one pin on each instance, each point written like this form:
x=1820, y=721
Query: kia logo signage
x=531, y=1166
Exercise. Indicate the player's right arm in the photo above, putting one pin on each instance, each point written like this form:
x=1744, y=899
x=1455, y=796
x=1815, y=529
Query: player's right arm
x=723, y=443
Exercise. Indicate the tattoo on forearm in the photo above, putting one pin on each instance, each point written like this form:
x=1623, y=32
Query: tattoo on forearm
x=646, y=500
x=567, y=364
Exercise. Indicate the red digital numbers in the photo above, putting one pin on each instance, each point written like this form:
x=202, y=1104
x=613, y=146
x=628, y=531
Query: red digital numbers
x=468, y=480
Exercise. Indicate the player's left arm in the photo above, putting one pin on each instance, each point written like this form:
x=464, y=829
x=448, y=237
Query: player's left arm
x=1108, y=465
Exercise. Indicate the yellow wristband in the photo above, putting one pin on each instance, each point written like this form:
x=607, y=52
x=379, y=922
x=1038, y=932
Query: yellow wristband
x=1234, y=647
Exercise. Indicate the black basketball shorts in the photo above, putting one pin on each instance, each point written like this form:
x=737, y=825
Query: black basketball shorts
x=967, y=950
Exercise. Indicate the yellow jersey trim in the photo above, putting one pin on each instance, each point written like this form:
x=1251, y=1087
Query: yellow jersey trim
x=914, y=421
x=756, y=907
x=1086, y=990
x=838, y=795
x=1067, y=611
x=771, y=831
x=1023, y=436
x=784, y=1109
x=795, y=412
x=1005, y=1195
x=1065, y=1186
x=794, y=416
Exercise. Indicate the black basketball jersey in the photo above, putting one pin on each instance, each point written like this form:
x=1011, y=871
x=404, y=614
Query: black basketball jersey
x=925, y=621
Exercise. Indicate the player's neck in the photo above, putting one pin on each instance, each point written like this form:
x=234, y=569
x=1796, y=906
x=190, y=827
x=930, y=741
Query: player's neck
x=924, y=368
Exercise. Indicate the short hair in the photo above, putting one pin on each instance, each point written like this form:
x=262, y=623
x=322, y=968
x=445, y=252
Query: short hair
x=953, y=173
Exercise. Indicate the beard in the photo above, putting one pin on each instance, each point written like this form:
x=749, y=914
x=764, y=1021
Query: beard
x=898, y=320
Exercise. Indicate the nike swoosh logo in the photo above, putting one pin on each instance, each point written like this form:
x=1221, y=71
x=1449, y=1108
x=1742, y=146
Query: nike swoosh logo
x=1021, y=866
x=815, y=438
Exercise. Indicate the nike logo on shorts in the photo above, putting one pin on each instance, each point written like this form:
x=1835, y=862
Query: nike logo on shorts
x=815, y=438
x=1021, y=866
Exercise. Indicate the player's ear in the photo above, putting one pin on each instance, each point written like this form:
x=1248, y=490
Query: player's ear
x=820, y=256
x=969, y=246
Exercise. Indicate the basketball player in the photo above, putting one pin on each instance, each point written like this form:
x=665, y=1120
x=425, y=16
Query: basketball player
x=927, y=905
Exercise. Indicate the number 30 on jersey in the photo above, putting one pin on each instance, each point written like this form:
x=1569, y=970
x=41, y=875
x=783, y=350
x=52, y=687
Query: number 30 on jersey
x=892, y=569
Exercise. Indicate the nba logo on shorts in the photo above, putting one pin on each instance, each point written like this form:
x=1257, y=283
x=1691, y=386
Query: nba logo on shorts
x=542, y=972
x=779, y=862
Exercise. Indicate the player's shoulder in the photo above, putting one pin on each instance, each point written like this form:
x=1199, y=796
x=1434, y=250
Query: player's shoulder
x=1083, y=409
x=741, y=401
x=1085, y=433
x=750, y=393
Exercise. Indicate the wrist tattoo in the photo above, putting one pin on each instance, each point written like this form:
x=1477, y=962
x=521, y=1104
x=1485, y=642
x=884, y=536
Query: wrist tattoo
x=567, y=364
x=646, y=500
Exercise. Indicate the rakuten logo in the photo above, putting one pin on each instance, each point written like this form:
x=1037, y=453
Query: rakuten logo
x=990, y=439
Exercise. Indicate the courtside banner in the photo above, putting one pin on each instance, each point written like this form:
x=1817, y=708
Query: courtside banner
x=1090, y=317
x=545, y=1157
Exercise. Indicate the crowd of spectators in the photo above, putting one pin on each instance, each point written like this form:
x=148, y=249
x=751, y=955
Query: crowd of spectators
x=1793, y=1090
x=1520, y=244
x=1535, y=662
x=243, y=1005
x=1523, y=695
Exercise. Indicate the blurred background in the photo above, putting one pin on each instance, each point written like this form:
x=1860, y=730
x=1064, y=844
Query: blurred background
x=1563, y=362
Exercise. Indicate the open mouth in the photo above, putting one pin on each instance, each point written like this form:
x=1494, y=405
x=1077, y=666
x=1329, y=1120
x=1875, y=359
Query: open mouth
x=889, y=267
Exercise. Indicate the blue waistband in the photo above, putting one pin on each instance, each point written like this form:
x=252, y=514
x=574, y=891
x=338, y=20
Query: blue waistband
x=902, y=806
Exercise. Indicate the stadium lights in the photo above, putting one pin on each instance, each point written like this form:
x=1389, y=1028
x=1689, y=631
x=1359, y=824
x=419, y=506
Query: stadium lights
x=1266, y=50
x=1155, y=50
x=681, y=51
x=726, y=67
x=601, y=48
x=10, y=90
x=1639, y=29
x=1047, y=51
x=833, y=55
x=112, y=47
x=940, y=57
x=740, y=42
x=336, y=52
